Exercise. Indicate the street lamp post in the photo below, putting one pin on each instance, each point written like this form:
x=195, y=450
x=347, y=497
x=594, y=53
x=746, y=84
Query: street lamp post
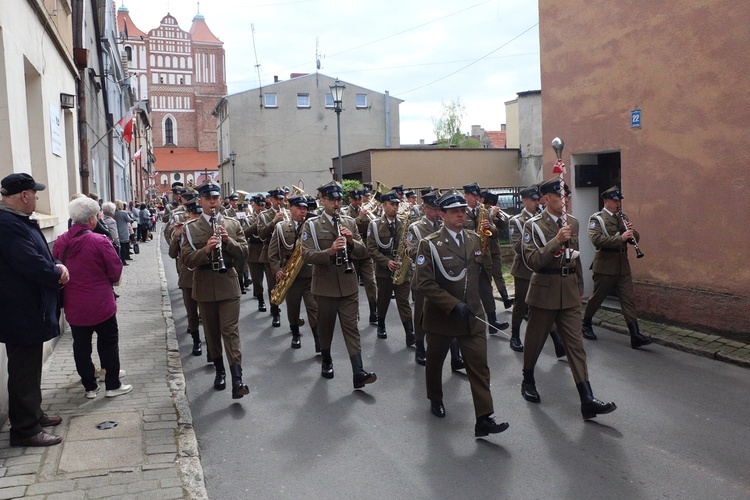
x=233, y=157
x=337, y=91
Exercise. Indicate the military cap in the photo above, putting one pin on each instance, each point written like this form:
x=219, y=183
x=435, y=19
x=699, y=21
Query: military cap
x=552, y=186
x=209, y=188
x=430, y=198
x=15, y=183
x=367, y=186
x=277, y=193
x=259, y=198
x=399, y=189
x=410, y=194
x=389, y=196
x=193, y=206
x=451, y=199
x=530, y=192
x=234, y=196
x=331, y=190
x=473, y=188
x=189, y=194
x=242, y=205
x=490, y=198
x=612, y=193
x=297, y=201
x=356, y=194
x=426, y=190
x=176, y=185
x=312, y=203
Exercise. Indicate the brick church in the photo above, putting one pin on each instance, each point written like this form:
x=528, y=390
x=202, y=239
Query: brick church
x=183, y=76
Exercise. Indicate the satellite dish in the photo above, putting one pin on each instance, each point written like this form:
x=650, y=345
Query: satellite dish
x=317, y=63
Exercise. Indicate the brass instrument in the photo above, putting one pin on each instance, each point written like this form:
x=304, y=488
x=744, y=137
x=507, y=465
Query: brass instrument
x=291, y=269
x=342, y=259
x=217, y=255
x=484, y=234
x=638, y=253
x=402, y=257
x=242, y=196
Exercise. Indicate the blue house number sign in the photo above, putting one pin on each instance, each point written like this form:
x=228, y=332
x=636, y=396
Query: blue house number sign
x=635, y=118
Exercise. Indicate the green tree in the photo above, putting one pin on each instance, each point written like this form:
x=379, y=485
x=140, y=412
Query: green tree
x=350, y=185
x=447, y=128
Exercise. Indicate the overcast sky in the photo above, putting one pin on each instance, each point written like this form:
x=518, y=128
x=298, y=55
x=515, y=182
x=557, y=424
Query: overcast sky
x=426, y=53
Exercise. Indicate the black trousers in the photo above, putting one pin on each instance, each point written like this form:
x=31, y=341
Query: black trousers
x=124, y=251
x=108, y=347
x=24, y=389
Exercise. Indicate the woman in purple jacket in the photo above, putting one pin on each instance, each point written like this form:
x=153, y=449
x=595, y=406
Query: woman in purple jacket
x=89, y=300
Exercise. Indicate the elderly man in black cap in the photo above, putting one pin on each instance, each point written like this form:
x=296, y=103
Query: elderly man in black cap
x=328, y=242
x=609, y=232
x=554, y=295
x=449, y=262
x=522, y=273
x=29, y=307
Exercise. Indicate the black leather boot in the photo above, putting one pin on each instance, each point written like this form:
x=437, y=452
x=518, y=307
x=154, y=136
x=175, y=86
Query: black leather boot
x=276, y=315
x=261, y=304
x=558, y=342
x=515, y=340
x=587, y=330
x=316, y=339
x=457, y=362
x=382, y=334
x=590, y=406
x=637, y=339
x=410, y=337
x=197, y=348
x=326, y=367
x=420, y=356
x=486, y=425
x=492, y=320
x=507, y=301
x=361, y=377
x=238, y=388
x=296, y=343
x=220, y=381
x=528, y=387
x=373, y=313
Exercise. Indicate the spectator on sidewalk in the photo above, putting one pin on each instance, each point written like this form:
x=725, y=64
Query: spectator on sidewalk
x=124, y=230
x=89, y=300
x=144, y=222
x=29, y=308
x=108, y=213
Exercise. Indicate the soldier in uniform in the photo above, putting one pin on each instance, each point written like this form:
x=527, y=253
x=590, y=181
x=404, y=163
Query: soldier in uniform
x=521, y=272
x=492, y=264
x=364, y=267
x=217, y=293
x=185, y=274
x=255, y=250
x=384, y=239
x=610, y=237
x=177, y=189
x=554, y=296
x=231, y=209
x=449, y=263
x=243, y=211
x=267, y=221
x=327, y=245
x=284, y=240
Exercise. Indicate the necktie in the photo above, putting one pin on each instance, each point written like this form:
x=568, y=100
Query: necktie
x=559, y=222
x=459, y=240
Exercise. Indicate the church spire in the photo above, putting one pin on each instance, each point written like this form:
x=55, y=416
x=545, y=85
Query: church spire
x=122, y=7
x=199, y=16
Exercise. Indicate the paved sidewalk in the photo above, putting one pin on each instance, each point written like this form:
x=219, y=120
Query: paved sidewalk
x=152, y=452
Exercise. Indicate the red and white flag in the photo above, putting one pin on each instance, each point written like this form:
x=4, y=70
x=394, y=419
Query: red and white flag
x=137, y=154
x=126, y=124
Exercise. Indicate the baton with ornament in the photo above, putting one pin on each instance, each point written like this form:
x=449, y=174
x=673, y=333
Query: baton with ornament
x=559, y=169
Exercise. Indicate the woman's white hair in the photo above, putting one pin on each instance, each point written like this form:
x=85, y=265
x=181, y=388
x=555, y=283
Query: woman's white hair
x=82, y=209
x=108, y=208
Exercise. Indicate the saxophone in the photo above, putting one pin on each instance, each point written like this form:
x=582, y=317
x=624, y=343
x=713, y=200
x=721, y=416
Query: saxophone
x=402, y=257
x=484, y=234
x=291, y=269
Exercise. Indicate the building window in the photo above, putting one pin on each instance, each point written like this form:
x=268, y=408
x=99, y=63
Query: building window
x=361, y=100
x=270, y=100
x=303, y=100
x=329, y=100
x=168, y=131
x=129, y=52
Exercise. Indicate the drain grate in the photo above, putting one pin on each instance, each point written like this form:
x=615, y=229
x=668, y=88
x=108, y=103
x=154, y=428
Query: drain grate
x=109, y=424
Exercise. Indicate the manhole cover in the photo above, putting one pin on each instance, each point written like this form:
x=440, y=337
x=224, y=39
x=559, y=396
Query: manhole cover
x=109, y=424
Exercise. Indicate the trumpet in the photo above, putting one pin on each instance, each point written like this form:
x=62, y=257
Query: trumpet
x=343, y=259
x=638, y=253
x=217, y=256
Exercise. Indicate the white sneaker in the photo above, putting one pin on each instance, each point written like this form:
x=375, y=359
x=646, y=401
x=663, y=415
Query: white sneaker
x=123, y=389
x=92, y=394
x=103, y=373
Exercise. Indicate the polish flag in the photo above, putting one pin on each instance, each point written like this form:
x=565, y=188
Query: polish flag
x=126, y=124
x=137, y=154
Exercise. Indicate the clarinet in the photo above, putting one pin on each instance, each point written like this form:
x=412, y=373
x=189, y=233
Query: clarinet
x=217, y=260
x=345, y=258
x=638, y=253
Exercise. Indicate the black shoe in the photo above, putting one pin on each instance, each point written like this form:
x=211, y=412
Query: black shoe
x=220, y=381
x=487, y=425
x=590, y=406
x=243, y=291
x=276, y=320
x=382, y=334
x=238, y=388
x=261, y=304
x=528, y=391
x=296, y=343
x=437, y=408
x=326, y=368
x=420, y=357
x=197, y=348
x=587, y=330
x=373, y=313
x=508, y=303
x=515, y=344
x=124, y=263
x=361, y=377
x=457, y=364
x=411, y=339
x=637, y=339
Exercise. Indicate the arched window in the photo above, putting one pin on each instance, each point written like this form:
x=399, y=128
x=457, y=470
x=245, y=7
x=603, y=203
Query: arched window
x=168, y=131
x=129, y=52
x=164, y=179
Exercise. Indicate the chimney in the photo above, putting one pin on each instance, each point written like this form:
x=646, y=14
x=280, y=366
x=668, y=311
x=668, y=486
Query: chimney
x=275, y=78
x=502, y=127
